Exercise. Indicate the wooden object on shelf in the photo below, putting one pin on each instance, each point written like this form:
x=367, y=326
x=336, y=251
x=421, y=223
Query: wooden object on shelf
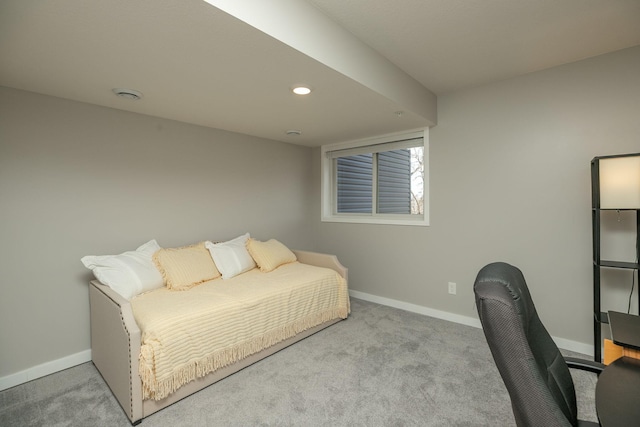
x=613, y=352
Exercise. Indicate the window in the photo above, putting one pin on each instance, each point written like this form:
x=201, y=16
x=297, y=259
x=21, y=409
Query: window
x=382, y=180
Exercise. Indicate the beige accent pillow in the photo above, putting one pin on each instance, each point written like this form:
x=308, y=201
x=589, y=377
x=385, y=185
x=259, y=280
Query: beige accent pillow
x=269, y=255
x=182, y=268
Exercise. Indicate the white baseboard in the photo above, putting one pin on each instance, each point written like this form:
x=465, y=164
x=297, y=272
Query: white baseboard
x=44, y=369
x=563, y=343
x=578, y=347
x=438, y=314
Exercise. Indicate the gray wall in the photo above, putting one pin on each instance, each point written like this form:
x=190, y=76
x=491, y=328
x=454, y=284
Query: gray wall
x=77, y=179
x=510, y=181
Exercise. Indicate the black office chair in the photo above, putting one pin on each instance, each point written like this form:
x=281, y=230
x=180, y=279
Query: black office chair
x=533, y=369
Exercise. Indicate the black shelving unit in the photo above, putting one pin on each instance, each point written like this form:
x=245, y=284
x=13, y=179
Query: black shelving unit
x=600, y=317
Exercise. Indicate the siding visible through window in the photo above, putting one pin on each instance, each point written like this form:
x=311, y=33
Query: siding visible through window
x=394, y=182
x=355, y=183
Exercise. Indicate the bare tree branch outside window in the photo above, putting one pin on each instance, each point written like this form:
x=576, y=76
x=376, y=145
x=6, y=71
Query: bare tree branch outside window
x=417, y=180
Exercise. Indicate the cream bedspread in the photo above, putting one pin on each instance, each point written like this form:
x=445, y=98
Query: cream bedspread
x=188, y=334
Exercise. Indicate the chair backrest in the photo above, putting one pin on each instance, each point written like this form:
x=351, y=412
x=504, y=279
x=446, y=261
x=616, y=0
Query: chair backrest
x=532, y=368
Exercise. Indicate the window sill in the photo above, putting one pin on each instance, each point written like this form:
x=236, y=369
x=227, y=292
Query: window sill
x=380, y=220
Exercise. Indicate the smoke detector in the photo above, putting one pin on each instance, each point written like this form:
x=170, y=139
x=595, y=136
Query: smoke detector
x=128, y=93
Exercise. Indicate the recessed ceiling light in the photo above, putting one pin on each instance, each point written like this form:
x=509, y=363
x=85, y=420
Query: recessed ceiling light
x=294, y=132
x=301, y=90
x=127, y=93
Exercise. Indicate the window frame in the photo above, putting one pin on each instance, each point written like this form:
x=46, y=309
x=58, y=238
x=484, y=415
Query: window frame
x=329, y=183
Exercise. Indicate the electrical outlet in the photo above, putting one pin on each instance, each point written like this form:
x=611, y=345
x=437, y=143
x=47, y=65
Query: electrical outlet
x=452, y=288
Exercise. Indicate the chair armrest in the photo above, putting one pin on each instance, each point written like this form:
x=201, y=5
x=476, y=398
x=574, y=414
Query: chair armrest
x=585, y=365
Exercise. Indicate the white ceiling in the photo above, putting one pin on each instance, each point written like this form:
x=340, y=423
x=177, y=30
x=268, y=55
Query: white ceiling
x=448, y=45
x=198, y=64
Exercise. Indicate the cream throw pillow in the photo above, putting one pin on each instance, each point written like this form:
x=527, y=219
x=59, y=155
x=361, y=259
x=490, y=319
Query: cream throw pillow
x=270, y=255
x=185, y=267
x=231, y=257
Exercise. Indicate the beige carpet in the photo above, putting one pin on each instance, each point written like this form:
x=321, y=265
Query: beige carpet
x=381, y=367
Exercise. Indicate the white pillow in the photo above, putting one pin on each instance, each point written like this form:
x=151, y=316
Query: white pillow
x=232, y=257
x=130, y=273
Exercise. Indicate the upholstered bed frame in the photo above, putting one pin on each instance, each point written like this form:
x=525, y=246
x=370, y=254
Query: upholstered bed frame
x=115, y=346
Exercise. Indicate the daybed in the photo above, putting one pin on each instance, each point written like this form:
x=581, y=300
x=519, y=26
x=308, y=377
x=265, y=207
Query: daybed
x=127, y=350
